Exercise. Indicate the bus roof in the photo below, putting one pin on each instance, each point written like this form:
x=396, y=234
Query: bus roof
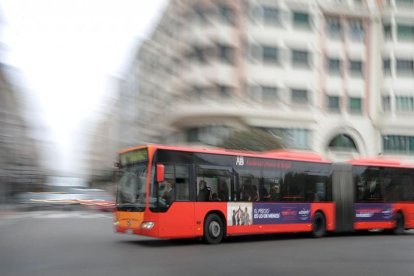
x=276, y=154
x=381, y=162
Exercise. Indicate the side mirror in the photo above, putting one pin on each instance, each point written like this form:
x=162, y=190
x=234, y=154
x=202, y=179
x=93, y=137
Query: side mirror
x=160, y=173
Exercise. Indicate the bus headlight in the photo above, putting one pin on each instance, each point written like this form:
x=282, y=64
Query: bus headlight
x=148, y=225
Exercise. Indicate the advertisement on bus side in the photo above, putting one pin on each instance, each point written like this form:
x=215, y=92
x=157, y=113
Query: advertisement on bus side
x=267, y=213
x=365, y=212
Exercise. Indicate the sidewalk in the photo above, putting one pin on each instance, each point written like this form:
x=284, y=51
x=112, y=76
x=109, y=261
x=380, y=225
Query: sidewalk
x=14, y=209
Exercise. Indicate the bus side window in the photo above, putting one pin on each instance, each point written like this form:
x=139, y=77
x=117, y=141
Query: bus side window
x=213, y=184
x=316, y=188
x=248, y=184
x=182, y=183
x=294, y=187
x=407, y=188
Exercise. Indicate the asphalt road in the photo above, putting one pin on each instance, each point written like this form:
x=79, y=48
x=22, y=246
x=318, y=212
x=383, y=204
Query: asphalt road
x=79, y=243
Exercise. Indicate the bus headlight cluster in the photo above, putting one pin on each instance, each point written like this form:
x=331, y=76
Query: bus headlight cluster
x=147, y=225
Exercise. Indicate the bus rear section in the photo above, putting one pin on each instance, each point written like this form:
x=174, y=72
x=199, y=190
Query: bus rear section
x=382, y=195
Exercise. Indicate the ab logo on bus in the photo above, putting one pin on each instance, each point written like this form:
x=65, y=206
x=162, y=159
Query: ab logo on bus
x=240, y=160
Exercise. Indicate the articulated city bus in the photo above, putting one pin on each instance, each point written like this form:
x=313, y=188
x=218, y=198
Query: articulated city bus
x=182, y=192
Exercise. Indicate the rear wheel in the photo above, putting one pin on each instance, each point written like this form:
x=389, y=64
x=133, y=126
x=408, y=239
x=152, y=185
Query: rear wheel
x=213, y=229
x=318, y=225
x=399, y=224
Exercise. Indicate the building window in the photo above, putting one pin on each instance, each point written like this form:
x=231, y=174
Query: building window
x=334, y=66
x=253, y=91
x=386, y=103
x=343, y=142
x=269, y=94
x=356, y=30
x=200, y=14
x=209, y=134
x=355, y=68
x=301, y=19
x=200, y=55
x=196, y=93
x=386, y=66
x=192, y=135
x=333, y=27
x=271, y=15
x=405, y=67
x=333, y=103
x=355, y=105
x=398, y=143
x=387, y=31
x=293, y=138
x=405, y=32
x=300, y=58
x=270, y=54
x=299, y=96
x=404, y=3
x=224, y=92
x=225, y=53
x=404, y=103
x=226, y=14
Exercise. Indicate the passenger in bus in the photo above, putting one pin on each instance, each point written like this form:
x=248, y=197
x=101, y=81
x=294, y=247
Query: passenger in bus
x=254, y=196
x=275, y=193
x=264, y=194
x=245, y=191
x=223, y=192
x=214, y=197
x=203, y=192
x=168, y=194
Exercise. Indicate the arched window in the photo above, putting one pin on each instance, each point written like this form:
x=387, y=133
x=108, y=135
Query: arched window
x=342, y=142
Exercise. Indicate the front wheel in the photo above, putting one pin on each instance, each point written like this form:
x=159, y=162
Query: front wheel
x=318, y=225
x=213, y=229
x=399, y=224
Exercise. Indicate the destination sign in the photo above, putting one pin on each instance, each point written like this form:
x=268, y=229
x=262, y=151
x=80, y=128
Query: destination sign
x=133, y=157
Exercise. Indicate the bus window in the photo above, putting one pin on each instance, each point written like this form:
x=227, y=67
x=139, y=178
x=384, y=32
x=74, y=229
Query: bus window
x=294, y=188
x=316, y=186
x=175, y=187
x=248, y=184
x=182, y=183
x=398, y=185
x=213, y=184
x=270, y=189
x=369, y=185
x=407, y=188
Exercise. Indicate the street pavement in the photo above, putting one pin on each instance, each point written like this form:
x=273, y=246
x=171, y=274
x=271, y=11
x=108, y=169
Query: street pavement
x=83, y=243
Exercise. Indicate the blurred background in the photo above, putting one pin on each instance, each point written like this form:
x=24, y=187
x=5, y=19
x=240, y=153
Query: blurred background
x=81, y=80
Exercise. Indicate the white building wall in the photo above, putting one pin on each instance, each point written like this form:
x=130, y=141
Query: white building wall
x=249, y=72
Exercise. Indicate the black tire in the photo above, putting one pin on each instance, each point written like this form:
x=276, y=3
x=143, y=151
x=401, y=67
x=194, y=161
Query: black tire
x=213, y=229
x=318, y=225
x=399, y=224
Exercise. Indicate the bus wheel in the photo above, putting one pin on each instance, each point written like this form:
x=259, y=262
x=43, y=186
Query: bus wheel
x=318, y=225
x=213, y=229
x=399, y=224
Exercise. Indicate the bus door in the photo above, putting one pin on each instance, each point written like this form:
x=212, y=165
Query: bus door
x=343, y=196
x=214, y=189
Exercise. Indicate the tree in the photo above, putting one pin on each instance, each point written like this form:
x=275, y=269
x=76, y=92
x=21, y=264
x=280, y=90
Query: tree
x=252, y=139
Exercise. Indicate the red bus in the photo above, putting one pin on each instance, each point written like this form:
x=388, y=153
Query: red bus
x=182, y=192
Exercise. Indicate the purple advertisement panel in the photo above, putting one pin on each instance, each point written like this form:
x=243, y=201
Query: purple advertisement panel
x=365, y=212
x=277, y=213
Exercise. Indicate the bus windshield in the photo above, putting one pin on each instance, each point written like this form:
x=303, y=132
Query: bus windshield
x=132, y=188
